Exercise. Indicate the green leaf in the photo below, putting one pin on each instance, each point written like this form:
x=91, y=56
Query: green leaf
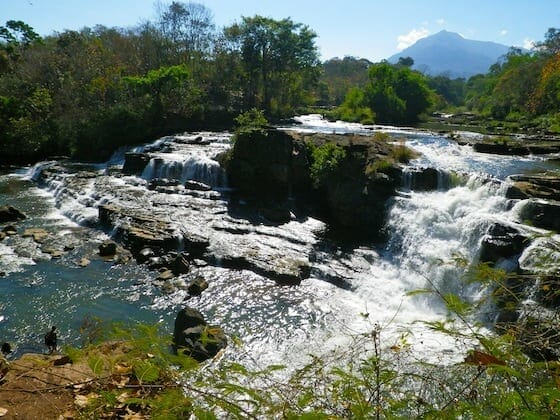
x=96, y=364
x=145, y=371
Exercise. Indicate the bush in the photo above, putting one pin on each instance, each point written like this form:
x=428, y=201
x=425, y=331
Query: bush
x=326, y=160
x=251, y=121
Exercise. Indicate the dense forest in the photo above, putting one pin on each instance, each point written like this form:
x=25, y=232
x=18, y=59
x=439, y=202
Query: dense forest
x=84, y=93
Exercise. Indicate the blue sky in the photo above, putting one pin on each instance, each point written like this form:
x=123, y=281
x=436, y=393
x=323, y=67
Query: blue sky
x=371, y=29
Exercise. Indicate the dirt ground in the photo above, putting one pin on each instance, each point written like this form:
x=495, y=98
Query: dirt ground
x=40, y=386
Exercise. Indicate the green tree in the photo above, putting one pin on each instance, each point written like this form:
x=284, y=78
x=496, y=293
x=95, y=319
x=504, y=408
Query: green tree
x=341, y=75
x=279, y=62
x=188, y=28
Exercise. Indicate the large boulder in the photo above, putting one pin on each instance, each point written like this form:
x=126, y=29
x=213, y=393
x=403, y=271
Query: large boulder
x=501, y=241
x=194, y=337
x=425, y=179
x=10, y=214
x=134, y=163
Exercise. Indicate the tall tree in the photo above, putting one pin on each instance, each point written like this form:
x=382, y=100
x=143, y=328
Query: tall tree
x=189, y=27
x=279, y=59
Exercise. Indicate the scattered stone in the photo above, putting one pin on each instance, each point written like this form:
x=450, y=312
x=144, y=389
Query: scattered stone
x=84, y=262
x=165, y=275
x=10, y=230
x=108, y=249
x=163, y=182
x=39, y=235
x=180, y=265
x=54, y=253
x=197, y=286
x=61, y=361
x=2, y=236
x=144, y=255
x=197, y=186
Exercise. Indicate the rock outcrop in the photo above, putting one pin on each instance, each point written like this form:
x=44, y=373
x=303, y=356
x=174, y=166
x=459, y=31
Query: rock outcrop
x=138, y=231
x=546, y=187
x=275, y=166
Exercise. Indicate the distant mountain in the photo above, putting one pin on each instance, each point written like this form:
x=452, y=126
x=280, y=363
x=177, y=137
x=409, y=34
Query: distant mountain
x=450, y=54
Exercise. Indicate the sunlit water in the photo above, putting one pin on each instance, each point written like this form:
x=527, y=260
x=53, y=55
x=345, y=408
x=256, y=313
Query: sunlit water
x=350, y=289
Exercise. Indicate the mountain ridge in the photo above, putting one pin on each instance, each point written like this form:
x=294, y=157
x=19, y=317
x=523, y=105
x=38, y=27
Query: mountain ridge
x=451, y=54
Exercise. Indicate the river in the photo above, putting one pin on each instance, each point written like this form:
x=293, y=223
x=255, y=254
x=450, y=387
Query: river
x=351, y=289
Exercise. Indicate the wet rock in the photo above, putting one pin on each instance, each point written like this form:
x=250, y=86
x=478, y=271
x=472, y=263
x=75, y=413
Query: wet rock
x=536, y=186
x=134, y=163
x=144, y=255
x=84, y=262
x=197, y=286
x=276, y=213
x=54, y=253
x=180, y=265
x=2, y=236
x=39, y=235
x=108, y=249
x=10, y=230
x=139, y=230
x=501, y=149
x=260, y=165
x=501, y=241
x=422, y=179
x=163, y=182
x=542, y=214
x=165, y=275
x=10, y=214
x=197, y=186
x=194, y=337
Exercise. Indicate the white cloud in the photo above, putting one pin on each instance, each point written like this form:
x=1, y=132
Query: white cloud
x=410, y=38
x=528, y=43
x=440, y=21
x=503, y=32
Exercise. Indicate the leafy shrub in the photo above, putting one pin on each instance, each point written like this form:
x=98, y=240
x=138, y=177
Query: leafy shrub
x=250, y=121
x=326, y=162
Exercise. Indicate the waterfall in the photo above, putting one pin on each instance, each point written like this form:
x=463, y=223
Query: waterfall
x=191, y=168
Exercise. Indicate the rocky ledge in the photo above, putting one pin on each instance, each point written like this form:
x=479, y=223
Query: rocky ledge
x=510, y=145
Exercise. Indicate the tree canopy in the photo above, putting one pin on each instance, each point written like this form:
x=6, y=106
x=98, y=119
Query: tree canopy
x=84, y=93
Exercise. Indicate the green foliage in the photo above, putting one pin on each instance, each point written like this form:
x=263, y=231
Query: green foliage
x=279, y=60
x=403, y=154
x=340, y=76
x=353, y=109
x=251, y=121
x=396, y=93
x=326, y=161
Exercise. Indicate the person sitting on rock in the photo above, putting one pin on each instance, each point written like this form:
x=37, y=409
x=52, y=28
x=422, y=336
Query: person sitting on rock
x=50, y=340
